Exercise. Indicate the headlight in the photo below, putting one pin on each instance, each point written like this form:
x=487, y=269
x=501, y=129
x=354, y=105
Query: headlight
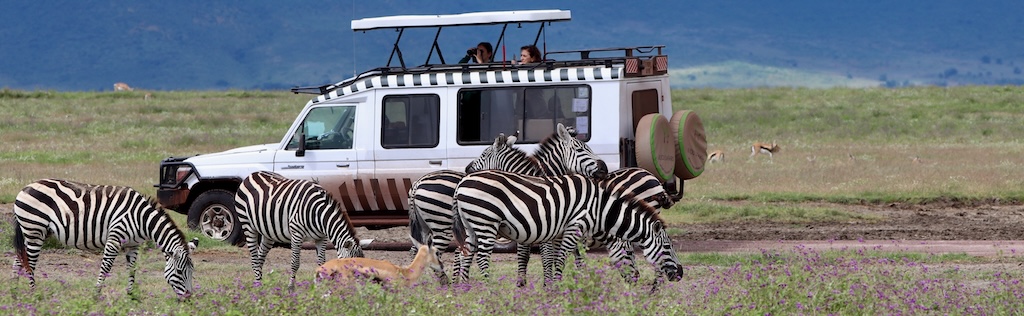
x=182, y=173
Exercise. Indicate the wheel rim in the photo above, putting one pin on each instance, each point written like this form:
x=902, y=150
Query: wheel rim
x=216, y=222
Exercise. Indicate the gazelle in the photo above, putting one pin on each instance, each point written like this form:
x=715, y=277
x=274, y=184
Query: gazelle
x=716, y=156
x=349, y=269
x=121, y=86
x=764, y=148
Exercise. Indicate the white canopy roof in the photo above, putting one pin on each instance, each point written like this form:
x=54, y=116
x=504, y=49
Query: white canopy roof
x=474, y=18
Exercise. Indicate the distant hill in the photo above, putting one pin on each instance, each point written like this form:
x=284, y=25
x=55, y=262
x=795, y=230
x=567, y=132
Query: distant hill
x=90, y=44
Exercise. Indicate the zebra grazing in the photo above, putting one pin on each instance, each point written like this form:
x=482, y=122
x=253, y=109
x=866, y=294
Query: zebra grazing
x=272, y=208
x=431, y=197
x=98, y=217
x=503, y=156
x=531, y=210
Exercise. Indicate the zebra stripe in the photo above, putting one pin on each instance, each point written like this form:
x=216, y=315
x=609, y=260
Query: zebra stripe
x=272, y=208
x=467, y=78
x=98, y=217
x=532, y=210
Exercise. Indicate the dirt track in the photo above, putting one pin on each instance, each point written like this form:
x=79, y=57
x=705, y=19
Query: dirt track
x=981, y=228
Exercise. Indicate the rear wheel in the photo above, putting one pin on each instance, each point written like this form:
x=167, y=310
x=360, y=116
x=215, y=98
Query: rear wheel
x=213, y=214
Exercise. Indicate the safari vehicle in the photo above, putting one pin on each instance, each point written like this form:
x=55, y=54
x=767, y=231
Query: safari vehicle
x=368, y=138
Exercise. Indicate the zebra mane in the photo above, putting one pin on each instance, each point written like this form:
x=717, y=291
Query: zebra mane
x=640, y=205
x=344, y=213
x=159, y=208
x=521, y=154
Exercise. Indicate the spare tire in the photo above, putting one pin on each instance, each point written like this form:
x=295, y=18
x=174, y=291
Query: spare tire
x=691, y=144
x=655, y=146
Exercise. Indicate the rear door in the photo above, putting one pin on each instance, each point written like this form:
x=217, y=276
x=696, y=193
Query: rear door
x=407, y=143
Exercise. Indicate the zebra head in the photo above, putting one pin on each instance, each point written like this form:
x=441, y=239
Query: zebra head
x=561, y=153
x=178, y=272
x=502, y=156
x=657, y=245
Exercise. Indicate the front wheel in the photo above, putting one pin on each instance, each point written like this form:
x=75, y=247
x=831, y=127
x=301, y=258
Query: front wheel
x=213, y=214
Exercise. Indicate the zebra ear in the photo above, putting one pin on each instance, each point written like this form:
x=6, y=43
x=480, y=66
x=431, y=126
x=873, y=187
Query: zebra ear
x=563, y=132
x=498, y=141
x=512, y=139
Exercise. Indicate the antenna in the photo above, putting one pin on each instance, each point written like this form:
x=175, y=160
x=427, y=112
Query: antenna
x=353, y=41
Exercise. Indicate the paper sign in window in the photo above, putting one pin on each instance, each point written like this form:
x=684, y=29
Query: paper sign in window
x=583, y=125
x=580, y=105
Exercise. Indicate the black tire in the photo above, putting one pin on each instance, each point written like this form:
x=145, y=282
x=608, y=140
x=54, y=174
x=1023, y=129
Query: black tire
x=213, y=214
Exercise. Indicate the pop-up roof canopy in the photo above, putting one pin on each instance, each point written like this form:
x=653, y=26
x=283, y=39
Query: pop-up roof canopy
x=464, y=19
x=402, y=22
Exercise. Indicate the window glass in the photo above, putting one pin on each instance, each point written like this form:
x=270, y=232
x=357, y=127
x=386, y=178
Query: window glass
x=411, y=121
x=329, y=127
x=533, y=111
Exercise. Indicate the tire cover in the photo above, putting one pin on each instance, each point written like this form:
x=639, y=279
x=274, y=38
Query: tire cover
x=691, y=144
x=655, y=146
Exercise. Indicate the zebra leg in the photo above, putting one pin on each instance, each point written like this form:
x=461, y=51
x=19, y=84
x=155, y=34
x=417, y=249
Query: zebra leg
x=254, y=242
x=321, y=252
x=296, y=250
x=570, y=239
x=463, y=262
x=620, y=252
x=131, y=255
x=523, y=259
x=110, y=251
x=547, y=255
x=33, y=246
x=483, y=254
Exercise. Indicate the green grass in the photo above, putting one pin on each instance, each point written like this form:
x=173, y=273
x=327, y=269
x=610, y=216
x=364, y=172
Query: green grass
x=709, y=211
x=802, y=280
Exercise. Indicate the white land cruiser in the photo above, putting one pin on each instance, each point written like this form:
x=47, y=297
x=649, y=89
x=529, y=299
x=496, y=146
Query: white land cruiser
x=368, y=138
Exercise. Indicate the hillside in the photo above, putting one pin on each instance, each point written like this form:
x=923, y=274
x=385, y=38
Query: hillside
x=90, y=44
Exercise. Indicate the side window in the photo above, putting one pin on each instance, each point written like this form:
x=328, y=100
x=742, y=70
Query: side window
x=329, y=127
x=533, y=111
x=411, y=121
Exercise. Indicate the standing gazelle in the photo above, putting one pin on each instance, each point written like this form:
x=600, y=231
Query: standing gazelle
x=716, y=156
x=764, y=148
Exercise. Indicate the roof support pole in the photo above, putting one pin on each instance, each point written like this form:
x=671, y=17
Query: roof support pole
x=500, y=37
x=437, y=47
x=397, y=50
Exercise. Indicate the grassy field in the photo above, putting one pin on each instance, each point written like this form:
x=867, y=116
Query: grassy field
x=838, y=145
x=855, y=281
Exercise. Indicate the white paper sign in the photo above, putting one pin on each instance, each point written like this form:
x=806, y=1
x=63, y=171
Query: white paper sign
x=580, y=105
x=583, y=125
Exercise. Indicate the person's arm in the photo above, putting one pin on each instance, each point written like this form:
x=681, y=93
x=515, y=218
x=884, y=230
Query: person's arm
x=466, y=59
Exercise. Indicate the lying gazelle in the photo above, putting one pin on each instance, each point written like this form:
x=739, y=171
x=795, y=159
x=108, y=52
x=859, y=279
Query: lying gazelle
x=121, y=86
x=347, y=270
x=716, y=156
x=764, y=148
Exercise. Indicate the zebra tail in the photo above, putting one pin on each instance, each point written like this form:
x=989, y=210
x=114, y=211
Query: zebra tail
x=460, y=234
x=19, y=247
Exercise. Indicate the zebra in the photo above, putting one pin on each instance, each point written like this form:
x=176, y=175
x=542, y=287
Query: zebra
x=272, y=208
x=491, y=203
x=503, y=156
x=98, y=217
x=639, y=182
x=431, y=197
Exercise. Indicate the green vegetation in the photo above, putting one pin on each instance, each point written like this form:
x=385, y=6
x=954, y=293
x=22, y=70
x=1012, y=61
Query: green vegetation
x=802, y=280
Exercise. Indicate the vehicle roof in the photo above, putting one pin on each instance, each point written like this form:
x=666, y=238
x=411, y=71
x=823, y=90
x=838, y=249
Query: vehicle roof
x=472, y=18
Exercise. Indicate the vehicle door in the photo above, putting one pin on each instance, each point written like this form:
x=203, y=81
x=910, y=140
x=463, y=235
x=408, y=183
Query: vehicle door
x=408, y=143
x=330, y=156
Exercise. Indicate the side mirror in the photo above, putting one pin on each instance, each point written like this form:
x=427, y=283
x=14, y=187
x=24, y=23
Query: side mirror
x=302, y=146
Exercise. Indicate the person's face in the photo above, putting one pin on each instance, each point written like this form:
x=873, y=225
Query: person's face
x=526, y=58
x=482, y=52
